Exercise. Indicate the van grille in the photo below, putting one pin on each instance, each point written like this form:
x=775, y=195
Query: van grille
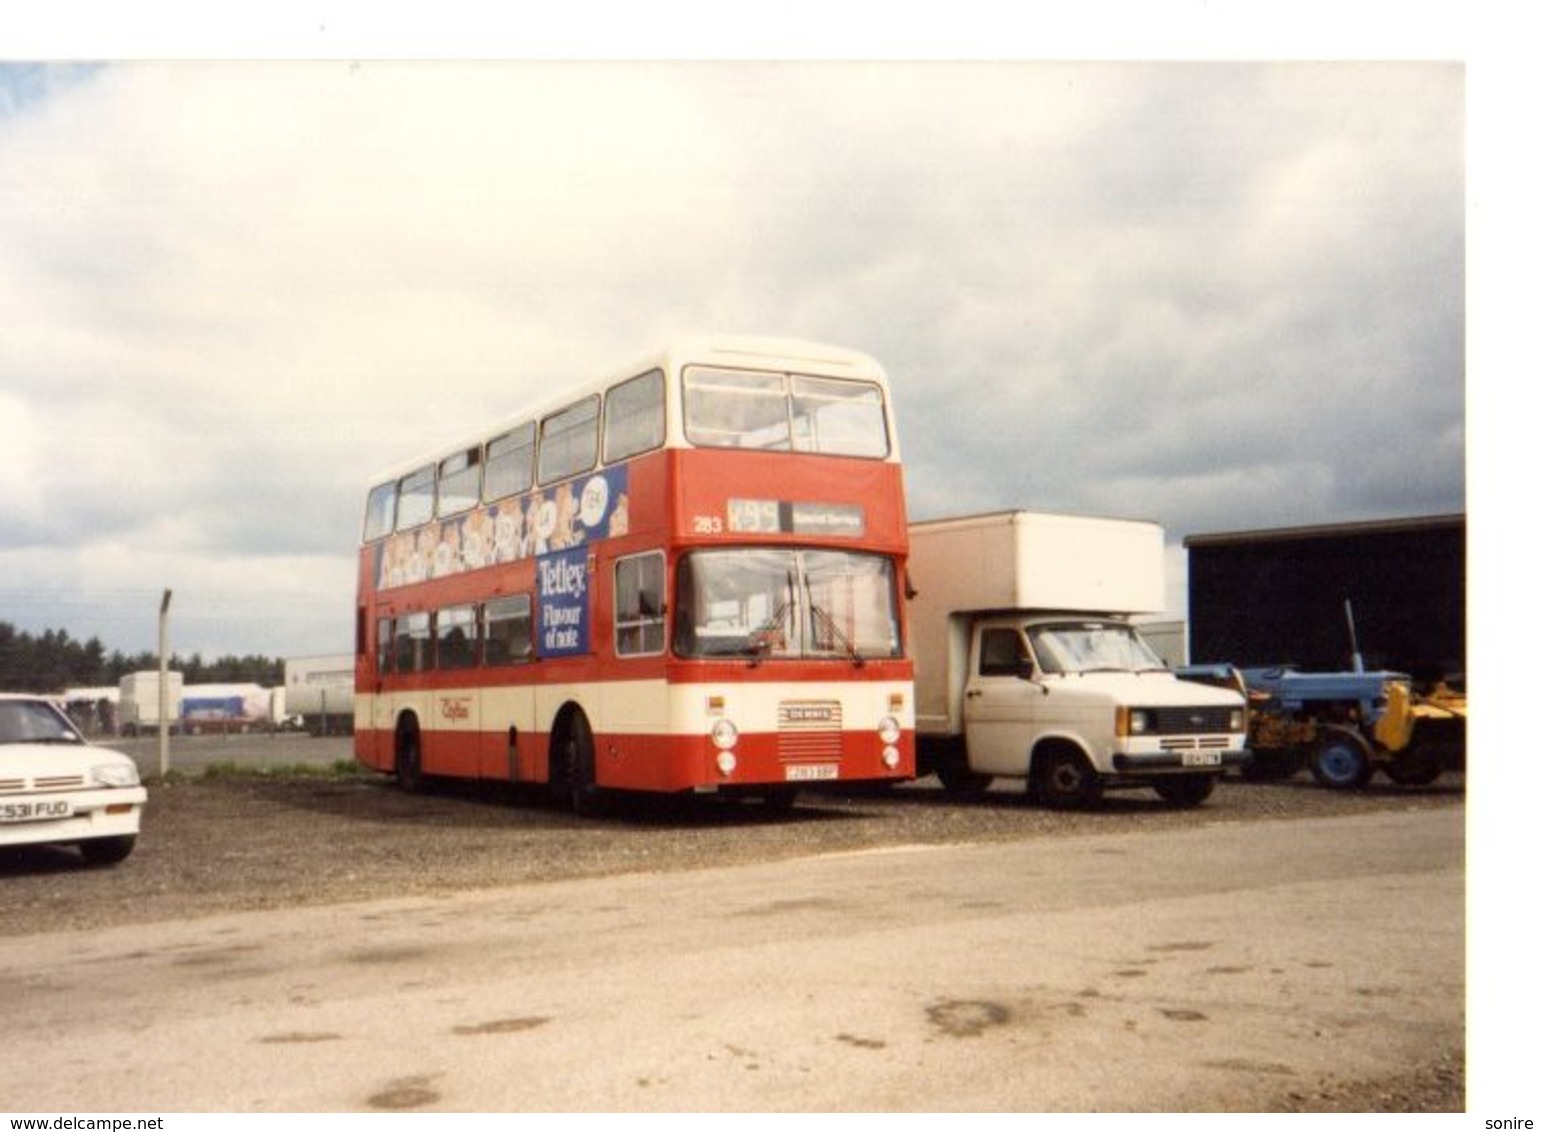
x=1191, y=720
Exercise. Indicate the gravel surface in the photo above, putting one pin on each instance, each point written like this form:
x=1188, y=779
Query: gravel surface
x=241, y=842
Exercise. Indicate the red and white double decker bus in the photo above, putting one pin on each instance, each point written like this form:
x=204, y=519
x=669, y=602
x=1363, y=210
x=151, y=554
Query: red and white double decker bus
x=685, y=577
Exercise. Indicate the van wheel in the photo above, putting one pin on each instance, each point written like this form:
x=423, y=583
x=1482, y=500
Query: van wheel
x=1185, y=790
x=1064, y=780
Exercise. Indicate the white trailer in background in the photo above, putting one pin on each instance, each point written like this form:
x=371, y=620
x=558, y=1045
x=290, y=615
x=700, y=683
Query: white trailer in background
x=1028, y=665
x=320, y=689
x=139, y=702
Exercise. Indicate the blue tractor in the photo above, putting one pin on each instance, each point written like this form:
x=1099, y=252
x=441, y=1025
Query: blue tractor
x=1342, y=726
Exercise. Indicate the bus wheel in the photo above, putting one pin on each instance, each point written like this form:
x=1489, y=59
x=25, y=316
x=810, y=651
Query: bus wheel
x=1063, y=779
x=409, y=757
x=579, y=766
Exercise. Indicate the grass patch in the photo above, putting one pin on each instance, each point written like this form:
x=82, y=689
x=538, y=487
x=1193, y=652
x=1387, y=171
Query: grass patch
x=337, y=769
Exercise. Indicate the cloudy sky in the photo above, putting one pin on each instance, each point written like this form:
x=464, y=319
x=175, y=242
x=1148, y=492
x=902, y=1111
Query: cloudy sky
x=1216, y=296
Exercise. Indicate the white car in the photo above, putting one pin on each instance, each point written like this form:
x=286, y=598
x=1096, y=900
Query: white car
x=56, y=788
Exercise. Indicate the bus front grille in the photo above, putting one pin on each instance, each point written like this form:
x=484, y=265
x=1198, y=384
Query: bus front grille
x=809, y=731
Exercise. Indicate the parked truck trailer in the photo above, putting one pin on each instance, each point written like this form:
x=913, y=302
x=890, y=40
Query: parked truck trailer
x=1028, y=665
x=320, y=689
x=139, y=702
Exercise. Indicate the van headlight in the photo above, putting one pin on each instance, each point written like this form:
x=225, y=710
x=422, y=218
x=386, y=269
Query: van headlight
x=1138, y=721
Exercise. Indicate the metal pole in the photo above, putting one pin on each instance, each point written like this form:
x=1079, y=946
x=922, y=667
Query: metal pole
x=165, y=690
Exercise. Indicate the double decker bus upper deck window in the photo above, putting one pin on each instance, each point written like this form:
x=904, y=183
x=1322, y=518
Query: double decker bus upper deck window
x=415, y=506
x=778, y=412
x=380, y=512
x=511, y=463
x=842, y=418
x=570, y=441
x=634, y=416
x=460, y=482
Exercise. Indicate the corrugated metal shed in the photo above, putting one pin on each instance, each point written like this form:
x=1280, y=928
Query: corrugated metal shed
x=1265, y=597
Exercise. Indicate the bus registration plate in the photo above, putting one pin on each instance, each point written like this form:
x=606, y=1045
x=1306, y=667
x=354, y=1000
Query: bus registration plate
x=812, y=772
x=33, y=811
x=1202, y=758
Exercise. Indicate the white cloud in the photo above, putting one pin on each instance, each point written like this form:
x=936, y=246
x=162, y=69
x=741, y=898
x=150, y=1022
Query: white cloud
x=1214, y=296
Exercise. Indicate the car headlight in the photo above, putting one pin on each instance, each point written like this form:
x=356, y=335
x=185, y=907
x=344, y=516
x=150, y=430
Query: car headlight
x=115, y=774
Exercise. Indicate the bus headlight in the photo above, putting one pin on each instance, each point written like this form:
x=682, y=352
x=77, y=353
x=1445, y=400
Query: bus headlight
x=727, y=763
x=725, y=735
x=889, y=731
x=891, y=757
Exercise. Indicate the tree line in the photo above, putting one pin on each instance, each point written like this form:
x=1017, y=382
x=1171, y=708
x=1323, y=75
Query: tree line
x=52, y=661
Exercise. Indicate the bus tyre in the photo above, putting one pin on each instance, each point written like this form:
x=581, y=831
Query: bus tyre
x=1342, y=760
x=1063, y=779
x=409, y=757
x=1185, y=790
x=579, y=767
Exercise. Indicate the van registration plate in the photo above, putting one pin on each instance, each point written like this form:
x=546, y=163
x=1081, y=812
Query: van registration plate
x=1202, y=758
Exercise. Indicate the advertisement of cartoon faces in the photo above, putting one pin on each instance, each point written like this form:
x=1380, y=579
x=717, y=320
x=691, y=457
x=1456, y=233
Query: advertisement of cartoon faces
x=559, y=518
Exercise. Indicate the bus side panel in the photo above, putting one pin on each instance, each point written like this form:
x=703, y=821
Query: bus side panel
x=512, y=747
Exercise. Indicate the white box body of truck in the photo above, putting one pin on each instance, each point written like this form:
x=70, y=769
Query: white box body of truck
x=139, y=701
x=1028, y=665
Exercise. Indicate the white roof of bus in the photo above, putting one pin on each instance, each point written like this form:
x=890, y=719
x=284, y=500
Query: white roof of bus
x=706, y=349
